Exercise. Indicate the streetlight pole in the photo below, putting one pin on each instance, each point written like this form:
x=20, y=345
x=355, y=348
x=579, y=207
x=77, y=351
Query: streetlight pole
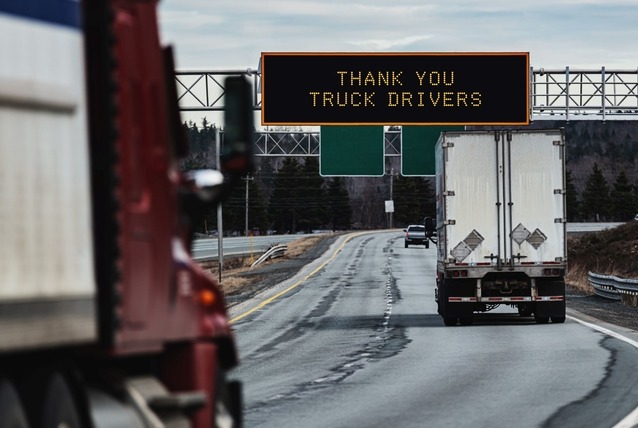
x=220, y=229
x=391, y=183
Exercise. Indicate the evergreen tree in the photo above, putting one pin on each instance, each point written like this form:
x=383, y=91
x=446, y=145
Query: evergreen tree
x=283, y=205
x=313, y=211
x=413, y=200
x=622, y=199
x=201, y=145
x=233, y=211
x=571, y=198
x=339, y=207
x=596, y=202
x=234, y=208
x=258, y=212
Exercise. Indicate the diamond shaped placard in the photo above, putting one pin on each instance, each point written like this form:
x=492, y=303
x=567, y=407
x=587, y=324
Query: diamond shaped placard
x=536, y=239
x=460, y=252
x=473, y=240
x=520, y=234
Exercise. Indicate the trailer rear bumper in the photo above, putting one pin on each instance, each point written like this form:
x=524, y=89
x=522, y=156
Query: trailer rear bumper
x=505, y=300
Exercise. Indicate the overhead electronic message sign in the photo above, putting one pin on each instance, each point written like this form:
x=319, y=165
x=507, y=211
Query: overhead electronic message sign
x=395, y=88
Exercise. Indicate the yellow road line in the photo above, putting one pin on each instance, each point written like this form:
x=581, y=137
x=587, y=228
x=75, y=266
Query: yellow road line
x=298, y=283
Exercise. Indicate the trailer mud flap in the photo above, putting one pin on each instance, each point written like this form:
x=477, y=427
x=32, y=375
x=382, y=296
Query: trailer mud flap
x=451, y=289
x=550, y=301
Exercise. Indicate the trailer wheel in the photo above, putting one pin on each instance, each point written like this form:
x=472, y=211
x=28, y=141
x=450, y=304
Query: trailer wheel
x=406, y=245
x=525, y=310
x=541, y=320
x=427, y=245
x=11, y=411
x=558, y=320
x=466, y=320
x=449, y=321
x=50, y=403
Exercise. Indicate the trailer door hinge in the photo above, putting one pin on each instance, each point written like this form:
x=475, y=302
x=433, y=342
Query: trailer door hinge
x=560, y=192
x=447, y=222
x=560, y=220
x=448, y=193
x=558, y=143
x=446, y=145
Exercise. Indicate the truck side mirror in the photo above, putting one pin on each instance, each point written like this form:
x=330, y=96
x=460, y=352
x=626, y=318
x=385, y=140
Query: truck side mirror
x=236, y=157
x=209, y=184
x=429, y=225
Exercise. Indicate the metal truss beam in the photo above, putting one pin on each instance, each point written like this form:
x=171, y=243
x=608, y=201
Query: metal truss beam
x=584, y=94
x=554, y=95
x=306, y=143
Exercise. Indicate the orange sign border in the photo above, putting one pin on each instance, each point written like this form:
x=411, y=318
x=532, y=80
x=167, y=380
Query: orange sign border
x=387, y=54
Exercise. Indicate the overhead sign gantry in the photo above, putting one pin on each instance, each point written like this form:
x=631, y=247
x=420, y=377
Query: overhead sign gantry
x=352, y=88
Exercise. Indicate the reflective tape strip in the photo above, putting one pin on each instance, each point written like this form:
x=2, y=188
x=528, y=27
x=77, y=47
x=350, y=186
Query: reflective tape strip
x=461, y=299
x=506, y=299
x=550, y=298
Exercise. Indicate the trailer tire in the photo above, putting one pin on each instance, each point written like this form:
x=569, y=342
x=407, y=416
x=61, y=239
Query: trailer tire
x=50, y=402
x=525, y=310
x=59, y=404
x=466, y=320
x=558, y=320
x=541, y=320
x=427, y=245
x=11, y=411
x=450, y=321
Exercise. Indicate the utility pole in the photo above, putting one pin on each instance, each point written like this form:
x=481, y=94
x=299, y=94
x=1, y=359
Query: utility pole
x=247, y=179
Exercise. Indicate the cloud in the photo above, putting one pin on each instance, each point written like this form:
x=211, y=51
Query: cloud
x=388, y=45
x=231, y=34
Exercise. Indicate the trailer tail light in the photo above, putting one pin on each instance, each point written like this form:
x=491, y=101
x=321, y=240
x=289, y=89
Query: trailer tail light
x=459, y=274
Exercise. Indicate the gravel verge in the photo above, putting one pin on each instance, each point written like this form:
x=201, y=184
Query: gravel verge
x=610, y=311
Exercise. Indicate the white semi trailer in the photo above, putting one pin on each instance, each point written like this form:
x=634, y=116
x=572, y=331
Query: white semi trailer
x=500, y=220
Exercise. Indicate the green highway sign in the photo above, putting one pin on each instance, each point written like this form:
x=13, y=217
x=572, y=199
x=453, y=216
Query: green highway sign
x=351, y=151
x=417, y=148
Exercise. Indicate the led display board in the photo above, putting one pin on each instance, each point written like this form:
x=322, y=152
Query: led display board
x=395, y=88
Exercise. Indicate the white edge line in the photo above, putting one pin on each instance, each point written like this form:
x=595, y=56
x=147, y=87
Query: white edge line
x=631, y=419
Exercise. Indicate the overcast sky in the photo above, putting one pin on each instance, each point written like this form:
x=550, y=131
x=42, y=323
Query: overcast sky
x=231, y=34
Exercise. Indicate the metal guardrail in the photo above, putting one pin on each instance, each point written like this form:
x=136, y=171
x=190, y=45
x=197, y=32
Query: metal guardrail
x=272, y=253
x=615, y=288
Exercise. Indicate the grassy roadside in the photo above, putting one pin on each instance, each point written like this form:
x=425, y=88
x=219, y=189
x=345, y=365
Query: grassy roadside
x=610, y=252
x=233, y=280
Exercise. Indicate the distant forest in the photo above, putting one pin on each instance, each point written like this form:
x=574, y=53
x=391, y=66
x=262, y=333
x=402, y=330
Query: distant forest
x=287, y=194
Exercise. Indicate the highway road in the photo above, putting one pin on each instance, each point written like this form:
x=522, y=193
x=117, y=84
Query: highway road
x=206, y=249
x=354, y=340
